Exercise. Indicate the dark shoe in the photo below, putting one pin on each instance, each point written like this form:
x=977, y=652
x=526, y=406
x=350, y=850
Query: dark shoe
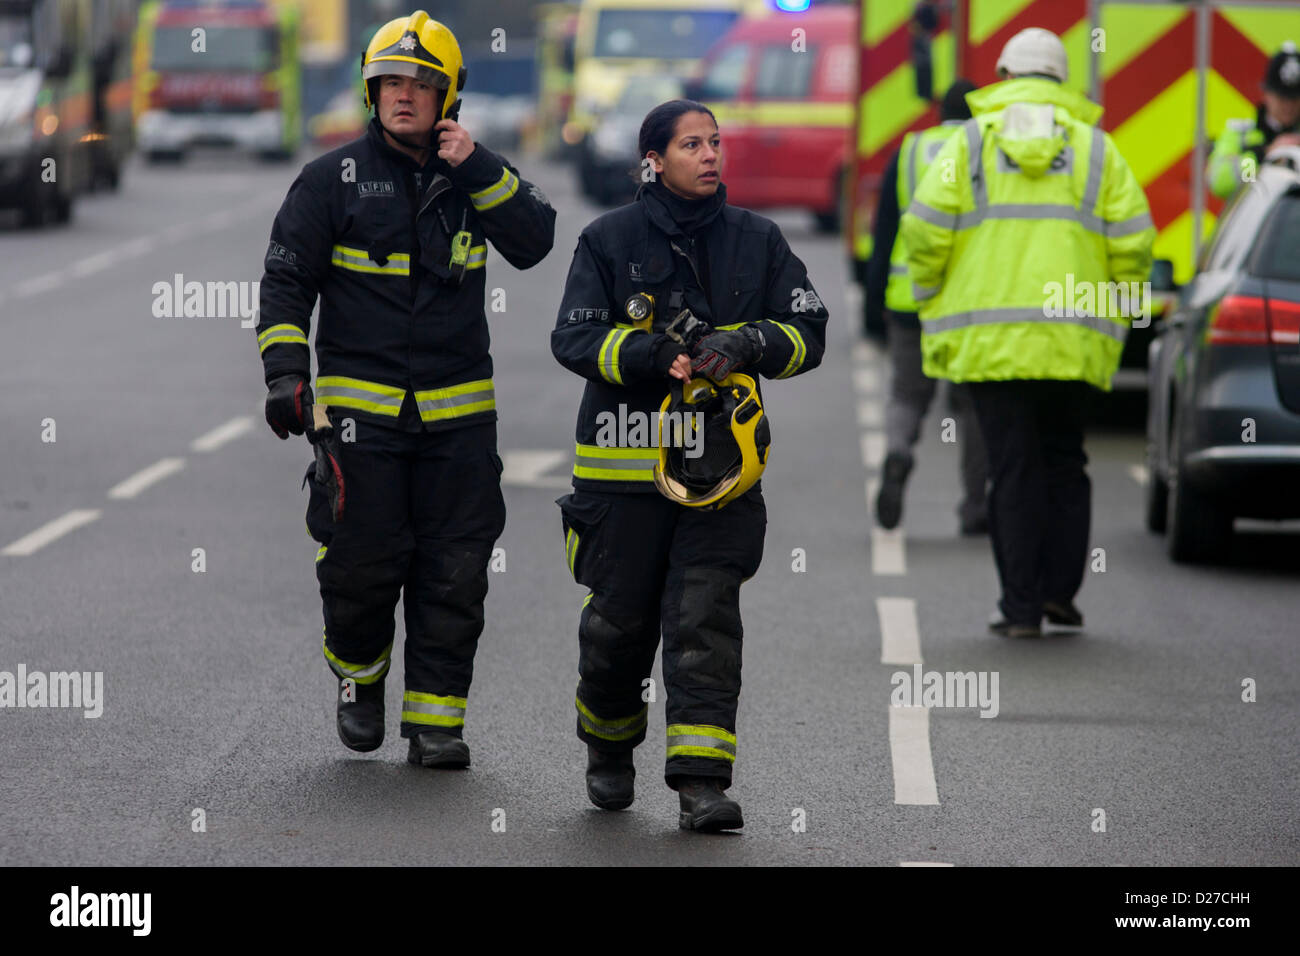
x=893, y=478
x=998, y=624
x=974, y=527
x=706, y=808
x=1063, y=615
x=361, y=721
x=433, y=749
x=609, y=778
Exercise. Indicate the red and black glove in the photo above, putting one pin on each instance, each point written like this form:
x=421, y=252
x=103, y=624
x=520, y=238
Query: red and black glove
x=720, y=354
x=287, y=405
x=329, y=464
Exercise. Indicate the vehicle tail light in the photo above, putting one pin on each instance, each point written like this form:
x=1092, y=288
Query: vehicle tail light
x=1239, y=320
x=1284, y=322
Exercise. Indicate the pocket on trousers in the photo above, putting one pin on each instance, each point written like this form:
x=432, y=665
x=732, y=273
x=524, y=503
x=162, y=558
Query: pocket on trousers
x=320, y=525
x=581, y=518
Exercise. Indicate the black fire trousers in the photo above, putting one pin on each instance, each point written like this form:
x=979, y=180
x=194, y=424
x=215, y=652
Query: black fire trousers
x=1039, y=502
x=422, y=512
x=654, y=565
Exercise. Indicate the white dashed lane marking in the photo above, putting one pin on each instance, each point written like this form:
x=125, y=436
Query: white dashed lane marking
x=52, y=531
x=231, y=430
x=145, y=477
x=909, y=750
x=900, y=638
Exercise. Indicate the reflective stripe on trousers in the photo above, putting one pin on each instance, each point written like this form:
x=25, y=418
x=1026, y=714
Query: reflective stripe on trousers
x=701, y=740
x=361, y=673
x=616, y=729
x=433, y=710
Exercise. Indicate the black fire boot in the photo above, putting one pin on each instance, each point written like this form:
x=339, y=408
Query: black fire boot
x=361, y=715
x=609, y=778
x=434, y=749
x=706, y=808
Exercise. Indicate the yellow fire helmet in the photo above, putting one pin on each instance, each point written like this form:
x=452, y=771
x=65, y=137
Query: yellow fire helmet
x=708, y=469
x=420, y=47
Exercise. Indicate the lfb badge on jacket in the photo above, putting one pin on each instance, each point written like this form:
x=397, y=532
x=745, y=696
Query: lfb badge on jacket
x=383, y=189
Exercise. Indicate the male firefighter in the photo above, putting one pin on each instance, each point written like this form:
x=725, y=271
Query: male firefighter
x=391, y=232
x=889, y=294
x=1276, y=123
x=1029, y=198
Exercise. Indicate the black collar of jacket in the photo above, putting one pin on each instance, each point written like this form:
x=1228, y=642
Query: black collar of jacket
x=665, y=209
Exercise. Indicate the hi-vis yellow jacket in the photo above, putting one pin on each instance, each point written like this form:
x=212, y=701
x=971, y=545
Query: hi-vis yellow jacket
x=1018, y=236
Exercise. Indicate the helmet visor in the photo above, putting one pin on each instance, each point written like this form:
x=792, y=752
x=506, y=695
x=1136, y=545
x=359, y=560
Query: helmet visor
x=424, y=74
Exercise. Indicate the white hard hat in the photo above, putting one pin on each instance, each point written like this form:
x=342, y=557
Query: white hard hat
x=1034, y=50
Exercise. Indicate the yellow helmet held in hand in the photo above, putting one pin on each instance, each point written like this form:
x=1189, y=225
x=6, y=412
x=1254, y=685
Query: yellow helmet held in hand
x=731, y=444
x=420, y=47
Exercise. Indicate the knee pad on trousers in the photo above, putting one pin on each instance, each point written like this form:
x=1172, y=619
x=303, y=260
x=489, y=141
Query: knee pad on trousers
x=708, y=631
x=607, y=642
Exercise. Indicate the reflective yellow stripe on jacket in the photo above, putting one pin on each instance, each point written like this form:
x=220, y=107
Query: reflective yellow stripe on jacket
x=497, y=193
x=280, y=334
x=358, y=260
x=615, y=464
x=434, y=405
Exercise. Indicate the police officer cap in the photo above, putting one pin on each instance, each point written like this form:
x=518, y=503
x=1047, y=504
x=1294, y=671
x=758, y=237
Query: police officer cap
x=1283, y=76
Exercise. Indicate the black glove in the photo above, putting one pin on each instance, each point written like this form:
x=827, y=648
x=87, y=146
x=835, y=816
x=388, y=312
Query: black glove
x=686, y=330
x=665, y=355
x=720, y=354
x=329, y=467
x=287, y=405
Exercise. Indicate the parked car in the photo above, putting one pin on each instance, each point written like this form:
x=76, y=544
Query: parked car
x=609, y=155
x=1223, y=425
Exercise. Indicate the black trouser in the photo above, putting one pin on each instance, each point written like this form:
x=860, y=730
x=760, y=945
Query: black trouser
x=421, y=514
x=652, y=564
x=1040, y=497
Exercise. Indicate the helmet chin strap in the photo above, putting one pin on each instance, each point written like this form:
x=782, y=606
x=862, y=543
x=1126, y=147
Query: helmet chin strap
x=410, y=144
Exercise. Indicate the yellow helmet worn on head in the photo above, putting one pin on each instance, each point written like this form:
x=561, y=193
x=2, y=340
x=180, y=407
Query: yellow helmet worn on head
x=730, y=443
x=420, y=47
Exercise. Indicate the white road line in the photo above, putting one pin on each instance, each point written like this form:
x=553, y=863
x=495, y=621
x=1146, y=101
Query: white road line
x=888, y=551
x=866, y=380
x=909, y=751
x=51, y=531
x=873, y=450
x=870, y=413
x=900, y=638
x=38, y=284
x=96, y=263
x=1139, y=474
x=145, y=477
x=528, y=468
x=231, y=430
x=923, y=863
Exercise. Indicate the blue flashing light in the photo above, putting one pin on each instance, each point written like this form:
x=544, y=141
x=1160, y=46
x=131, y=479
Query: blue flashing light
x=793, y=6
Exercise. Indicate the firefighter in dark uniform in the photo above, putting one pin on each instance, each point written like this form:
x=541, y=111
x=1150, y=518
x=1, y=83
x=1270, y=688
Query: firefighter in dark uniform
x=391, y=232
x=650, y=562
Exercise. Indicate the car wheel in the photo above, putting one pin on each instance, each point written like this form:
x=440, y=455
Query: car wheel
x=1199, y=528
x=1157, y=495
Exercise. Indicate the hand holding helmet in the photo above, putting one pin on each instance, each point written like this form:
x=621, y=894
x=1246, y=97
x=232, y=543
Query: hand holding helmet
x=720, y=354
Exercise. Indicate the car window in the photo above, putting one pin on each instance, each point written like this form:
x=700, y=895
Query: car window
x=1278, y=255
x=726, y=74
x=784, y=73
x=1236, y=230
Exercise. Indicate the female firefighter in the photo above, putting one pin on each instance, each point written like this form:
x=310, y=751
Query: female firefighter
x=679, y=291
